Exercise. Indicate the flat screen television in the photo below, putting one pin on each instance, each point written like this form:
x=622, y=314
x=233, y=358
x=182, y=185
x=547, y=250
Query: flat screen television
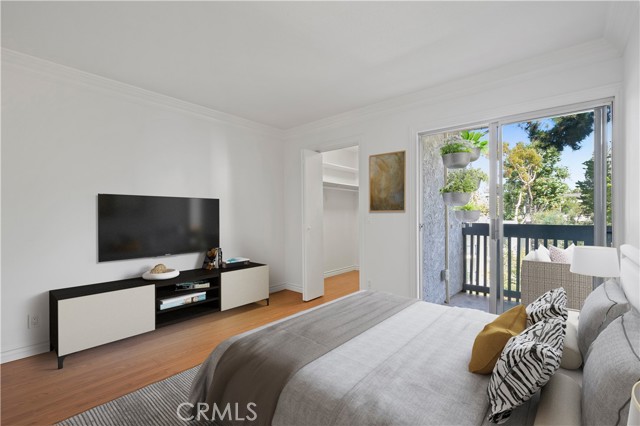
x=135, y=226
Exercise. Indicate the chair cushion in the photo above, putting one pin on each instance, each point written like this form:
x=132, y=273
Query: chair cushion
x=552, y=304
x=494, y=336
x=604, y=304
x=527, y=363
x=610, y=371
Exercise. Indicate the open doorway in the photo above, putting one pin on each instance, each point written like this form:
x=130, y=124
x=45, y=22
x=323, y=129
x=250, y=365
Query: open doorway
x=341, y=257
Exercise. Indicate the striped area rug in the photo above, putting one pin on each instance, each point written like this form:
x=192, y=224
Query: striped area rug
x=155, y=404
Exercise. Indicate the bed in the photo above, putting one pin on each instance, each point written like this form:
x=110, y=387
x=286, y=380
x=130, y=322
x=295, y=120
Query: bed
x=395, y=361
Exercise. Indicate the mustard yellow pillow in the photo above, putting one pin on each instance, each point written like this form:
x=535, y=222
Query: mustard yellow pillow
x=493, y=338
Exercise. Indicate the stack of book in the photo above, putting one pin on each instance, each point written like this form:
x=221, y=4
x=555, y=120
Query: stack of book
x=193, y=285
x=182, y=300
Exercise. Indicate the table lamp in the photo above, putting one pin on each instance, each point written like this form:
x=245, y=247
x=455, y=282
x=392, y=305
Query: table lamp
x=634, y=406
x=596, y=261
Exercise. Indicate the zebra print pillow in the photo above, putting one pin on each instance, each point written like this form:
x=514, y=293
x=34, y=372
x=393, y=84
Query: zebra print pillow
x=526, y=364
x=552, y=304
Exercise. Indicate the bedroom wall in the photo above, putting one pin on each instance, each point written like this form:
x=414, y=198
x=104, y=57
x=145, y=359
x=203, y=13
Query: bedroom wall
x=631, y=114
x=586, y=72
x=340, y=231
x=67, y=136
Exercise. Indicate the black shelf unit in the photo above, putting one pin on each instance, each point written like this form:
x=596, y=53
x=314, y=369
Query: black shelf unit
x=167, y=289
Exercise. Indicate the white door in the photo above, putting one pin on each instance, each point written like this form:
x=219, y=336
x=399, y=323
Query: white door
x=312, y=210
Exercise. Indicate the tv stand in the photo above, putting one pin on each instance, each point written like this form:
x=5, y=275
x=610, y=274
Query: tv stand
x=87, y=316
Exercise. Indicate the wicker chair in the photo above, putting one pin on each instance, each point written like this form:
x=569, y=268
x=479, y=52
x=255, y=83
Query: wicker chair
x=536, y=278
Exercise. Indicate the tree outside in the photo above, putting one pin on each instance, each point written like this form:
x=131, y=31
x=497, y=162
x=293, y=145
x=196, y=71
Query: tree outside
x=536, y=181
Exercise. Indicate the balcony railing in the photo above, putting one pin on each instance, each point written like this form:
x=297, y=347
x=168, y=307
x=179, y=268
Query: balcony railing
x=518, y=241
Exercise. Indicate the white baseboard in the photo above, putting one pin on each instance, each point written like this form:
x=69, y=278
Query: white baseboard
x=339, y=271
x=280, y=287
x=24, y=352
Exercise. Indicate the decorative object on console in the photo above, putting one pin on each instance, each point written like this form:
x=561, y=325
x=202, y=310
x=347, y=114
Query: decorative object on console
x=160, y=272
x=386, y=182
x=210, y=259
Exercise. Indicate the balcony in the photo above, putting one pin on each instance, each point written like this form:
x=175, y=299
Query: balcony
x=519, y=239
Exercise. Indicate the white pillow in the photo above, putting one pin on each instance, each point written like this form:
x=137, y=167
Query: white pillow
x=538, y=255
x=561, y=256
x=571, y=357
x=559, y=402
x=543, y=249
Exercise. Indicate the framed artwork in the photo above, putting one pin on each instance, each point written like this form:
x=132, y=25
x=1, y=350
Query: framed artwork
x=386, y=182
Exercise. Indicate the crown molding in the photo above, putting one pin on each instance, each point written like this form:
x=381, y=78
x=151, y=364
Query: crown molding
x=621, y=16
x=85, y=79
x=547, y=64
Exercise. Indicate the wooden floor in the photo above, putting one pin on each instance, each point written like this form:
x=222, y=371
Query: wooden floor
x=34, y=391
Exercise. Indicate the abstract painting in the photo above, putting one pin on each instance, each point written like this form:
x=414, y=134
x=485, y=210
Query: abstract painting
x=386, y=182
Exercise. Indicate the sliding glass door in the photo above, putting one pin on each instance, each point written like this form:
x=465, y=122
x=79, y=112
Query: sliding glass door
x=549, y=183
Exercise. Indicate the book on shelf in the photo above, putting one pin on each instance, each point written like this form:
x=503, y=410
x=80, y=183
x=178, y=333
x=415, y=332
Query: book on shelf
x=172, y=302
x=193, y=285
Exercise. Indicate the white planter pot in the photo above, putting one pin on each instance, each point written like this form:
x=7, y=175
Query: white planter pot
x=468, y=215
x=475, y=153
x=456, y=198
x=456, y=160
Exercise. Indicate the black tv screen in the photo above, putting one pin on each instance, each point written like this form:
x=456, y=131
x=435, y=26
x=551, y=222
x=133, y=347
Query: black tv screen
x=135, y=226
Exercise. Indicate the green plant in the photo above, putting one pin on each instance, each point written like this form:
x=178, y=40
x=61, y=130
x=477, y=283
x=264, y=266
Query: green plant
x=470, y=206
x=464, y=180
x=474, y=138
x=454, y=144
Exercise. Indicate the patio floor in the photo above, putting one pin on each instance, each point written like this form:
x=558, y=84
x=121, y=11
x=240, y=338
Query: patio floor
x=476, y=301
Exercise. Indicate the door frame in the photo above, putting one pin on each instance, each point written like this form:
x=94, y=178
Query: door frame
x=494, y=126
x=333, y=145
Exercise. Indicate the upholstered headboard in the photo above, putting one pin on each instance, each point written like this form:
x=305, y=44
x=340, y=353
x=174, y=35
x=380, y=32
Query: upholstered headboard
x=630, y=274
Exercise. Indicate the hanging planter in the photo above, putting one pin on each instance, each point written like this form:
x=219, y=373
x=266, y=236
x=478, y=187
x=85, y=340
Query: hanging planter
x=473, y=140
x=467, y=215
x=470, y=212
x=456, y=198
x=455, y=153
x=460, y=185
x=456, y=160
x=475, y=153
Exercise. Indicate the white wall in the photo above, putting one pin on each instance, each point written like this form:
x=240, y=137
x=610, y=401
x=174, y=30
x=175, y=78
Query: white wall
x=67, y=136
x=340, y=231
x=631, y=120
x=388, y=255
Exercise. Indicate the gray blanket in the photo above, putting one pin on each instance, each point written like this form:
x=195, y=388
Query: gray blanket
x=410, y=369
x=254, y=369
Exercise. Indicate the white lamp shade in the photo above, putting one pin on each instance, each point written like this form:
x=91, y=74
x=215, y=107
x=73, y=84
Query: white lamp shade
x=634, y=406
x=595, y=261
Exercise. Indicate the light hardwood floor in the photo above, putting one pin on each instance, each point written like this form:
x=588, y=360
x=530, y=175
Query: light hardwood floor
x=34, y=391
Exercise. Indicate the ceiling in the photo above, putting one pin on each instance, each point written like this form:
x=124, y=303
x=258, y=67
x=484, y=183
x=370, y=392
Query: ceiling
x=285, y=64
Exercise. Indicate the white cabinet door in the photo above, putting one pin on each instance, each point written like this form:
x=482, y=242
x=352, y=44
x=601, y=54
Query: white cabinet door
x=88, y=321
x=244, y=286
